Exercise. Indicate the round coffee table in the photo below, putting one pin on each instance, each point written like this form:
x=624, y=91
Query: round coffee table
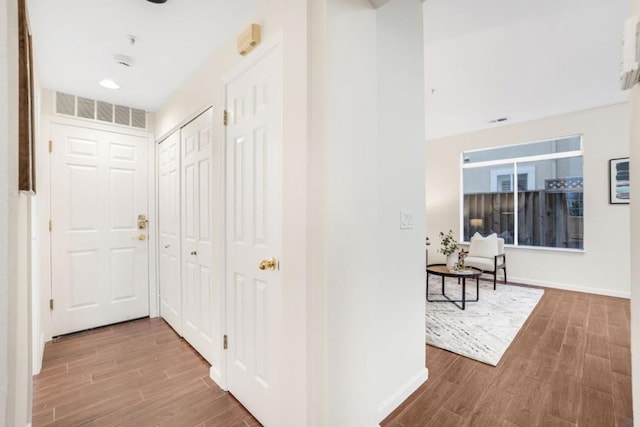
x=442, y=271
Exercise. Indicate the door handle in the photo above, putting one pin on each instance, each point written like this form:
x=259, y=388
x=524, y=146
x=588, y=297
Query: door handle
x=194, y=253
x=167, y=246
x=268, y=264
x=140, y=237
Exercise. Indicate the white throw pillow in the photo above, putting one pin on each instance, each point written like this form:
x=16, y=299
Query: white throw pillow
x=486, y=247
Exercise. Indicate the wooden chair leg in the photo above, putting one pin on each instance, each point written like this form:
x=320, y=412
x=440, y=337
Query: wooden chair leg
x=495, y=276
x=505, y=275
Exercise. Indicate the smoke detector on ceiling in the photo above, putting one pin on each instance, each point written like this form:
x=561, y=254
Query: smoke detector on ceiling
x=123, y=60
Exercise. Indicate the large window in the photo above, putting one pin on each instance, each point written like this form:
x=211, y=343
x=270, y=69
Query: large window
x=529, y=194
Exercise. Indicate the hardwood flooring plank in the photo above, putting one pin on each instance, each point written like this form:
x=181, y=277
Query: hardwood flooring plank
x=552, y=421
x=529, y=405
x=570, y=360
x=623, y=404
x=541, y=367
x=597, y=345
x=623, y=422
x=445, y=418
x=463, y=402
x=511, y=377
x=578, y=317
x=597, y=409
x=428, y=403
x=566, y=395
x=619, y=336
x=490, y=408
x=620, y=359
x=459, y=370
x=597, y=373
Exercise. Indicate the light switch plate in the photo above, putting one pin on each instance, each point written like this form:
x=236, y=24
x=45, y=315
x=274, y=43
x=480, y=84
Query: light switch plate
x=406, y=219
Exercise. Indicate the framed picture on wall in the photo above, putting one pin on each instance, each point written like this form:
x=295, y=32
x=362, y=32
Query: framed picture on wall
x=619, y=181
x=26, y=147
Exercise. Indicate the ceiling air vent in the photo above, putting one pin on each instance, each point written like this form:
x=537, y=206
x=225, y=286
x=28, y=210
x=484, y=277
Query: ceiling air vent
x=105, y=112
x=122, y=115
x=86, y=108
x=65, y=104
x=138, y=118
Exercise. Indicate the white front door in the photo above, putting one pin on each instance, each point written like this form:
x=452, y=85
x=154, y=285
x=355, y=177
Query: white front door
x=197, y=235
x=169, y=230
x=254, y=234
x=99, y=268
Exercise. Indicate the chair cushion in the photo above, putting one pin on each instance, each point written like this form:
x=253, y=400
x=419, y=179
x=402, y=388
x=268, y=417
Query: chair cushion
x=485, y=264
x=486, y=247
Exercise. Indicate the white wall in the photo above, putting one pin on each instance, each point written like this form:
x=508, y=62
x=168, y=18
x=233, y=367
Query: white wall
x=635, y=236
x=373, y=168
x=400, y=265
x=15, y=334
x=603, y=268
x=351, y=214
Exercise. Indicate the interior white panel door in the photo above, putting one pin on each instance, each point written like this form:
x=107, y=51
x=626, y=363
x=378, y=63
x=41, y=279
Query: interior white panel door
x=197, y=238
x=169, y=230
x=99, y=266
x=254, y=229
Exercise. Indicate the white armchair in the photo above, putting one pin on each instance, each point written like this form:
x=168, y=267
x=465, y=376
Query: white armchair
x=487, y=254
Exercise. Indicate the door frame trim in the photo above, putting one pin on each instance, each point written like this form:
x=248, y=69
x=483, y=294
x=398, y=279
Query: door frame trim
x=44, y=210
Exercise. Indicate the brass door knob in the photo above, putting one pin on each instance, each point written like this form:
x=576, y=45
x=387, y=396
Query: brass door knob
x=140, y=237
x=268, y=264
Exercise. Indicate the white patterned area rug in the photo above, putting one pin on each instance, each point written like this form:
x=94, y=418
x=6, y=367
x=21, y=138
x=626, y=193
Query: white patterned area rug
x=486, y=328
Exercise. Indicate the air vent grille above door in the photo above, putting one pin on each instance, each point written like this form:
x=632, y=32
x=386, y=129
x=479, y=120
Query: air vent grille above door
x=65, y=104
x=138, y=118
x=86, y=108
x=90, y=109
x=122, y=115
x=105, y=112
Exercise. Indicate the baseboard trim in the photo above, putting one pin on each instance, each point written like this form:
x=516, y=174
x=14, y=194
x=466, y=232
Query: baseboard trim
x=569, y=287
x=388, y=405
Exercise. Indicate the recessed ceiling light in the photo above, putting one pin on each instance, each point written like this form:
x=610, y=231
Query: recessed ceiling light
x=109, y=84
x=157, y=1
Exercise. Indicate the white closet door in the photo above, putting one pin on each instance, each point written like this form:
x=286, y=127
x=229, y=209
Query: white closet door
x=99, y=257
x=169, y=225
x=197, y=238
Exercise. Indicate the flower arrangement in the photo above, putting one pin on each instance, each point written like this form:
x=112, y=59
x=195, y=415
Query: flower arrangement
x=449, y=243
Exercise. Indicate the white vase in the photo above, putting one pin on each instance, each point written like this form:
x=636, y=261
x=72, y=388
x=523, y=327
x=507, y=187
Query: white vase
x=452, y=260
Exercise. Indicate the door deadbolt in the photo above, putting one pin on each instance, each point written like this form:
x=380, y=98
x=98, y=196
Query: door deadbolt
x=142, y=222
x=268, y=264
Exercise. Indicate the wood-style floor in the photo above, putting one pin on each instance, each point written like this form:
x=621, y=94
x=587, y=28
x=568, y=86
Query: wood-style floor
x=570, y=365
x=139, y=373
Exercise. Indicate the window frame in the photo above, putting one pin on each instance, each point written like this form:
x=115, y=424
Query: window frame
x=513, y=162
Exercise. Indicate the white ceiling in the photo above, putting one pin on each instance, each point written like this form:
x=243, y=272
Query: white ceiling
x=75, y=42
x=484, y=59
x=519, y=59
